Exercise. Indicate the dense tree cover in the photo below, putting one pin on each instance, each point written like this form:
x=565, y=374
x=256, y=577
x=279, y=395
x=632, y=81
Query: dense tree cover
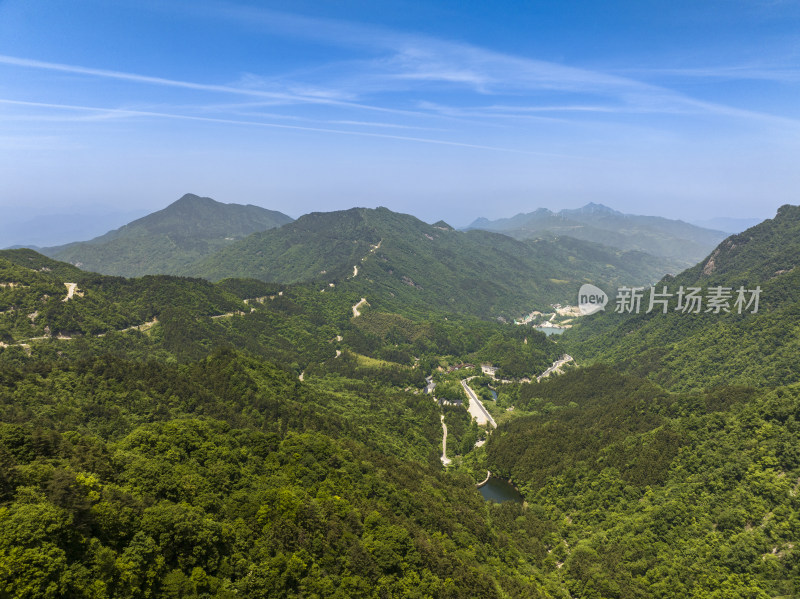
x=128, y=479
x=185, y=319
x=33, y=298
x=180, y=319
x=575, y=416
x=517, y=351
x=462, y=431
x=225, y=476
x=191, y=459
x=354, y=366
x=109, y=396
x=450, y=390
x=194, y=508
x=689, y=351
x=661, y=495
x=34, y=261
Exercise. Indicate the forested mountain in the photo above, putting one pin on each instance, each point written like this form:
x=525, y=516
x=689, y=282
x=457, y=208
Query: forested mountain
x=166, y=241
x=658, y=494
x=689, y=488
x=173, y=437
x=681, y=242
x=173, y=458
x=688, y=349
x=45, y=303
x=405, y=264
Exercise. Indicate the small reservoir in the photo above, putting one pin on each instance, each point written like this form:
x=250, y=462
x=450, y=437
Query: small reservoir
x=499, y=490
x=551, y=330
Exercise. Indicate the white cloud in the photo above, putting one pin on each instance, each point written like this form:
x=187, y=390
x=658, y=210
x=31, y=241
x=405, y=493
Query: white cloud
x=424, y=65
x=106, y=113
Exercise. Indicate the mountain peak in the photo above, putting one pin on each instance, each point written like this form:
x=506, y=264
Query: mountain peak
x=590, y=208
x=190, y=197
x=440, y=224
x=191, y=200
x=787, y=211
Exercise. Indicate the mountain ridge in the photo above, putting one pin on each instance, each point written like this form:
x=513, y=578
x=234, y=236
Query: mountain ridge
x=394, y=256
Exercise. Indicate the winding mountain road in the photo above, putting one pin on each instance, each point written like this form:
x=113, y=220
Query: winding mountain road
x=356, y=313
x=445, y=460
x=555, y=368
x=71, y=287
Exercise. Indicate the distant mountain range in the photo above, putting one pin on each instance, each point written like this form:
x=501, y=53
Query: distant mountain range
x=495, y=268
x=681, y=242
x=165, y=241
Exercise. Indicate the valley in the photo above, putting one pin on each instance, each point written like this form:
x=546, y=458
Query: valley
x=353, y=428
x=399, y=300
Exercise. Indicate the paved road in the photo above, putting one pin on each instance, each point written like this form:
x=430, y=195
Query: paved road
x=556, y=365
x=445, y=460
x=476, y=409
x=357, y=306
x=71, y=287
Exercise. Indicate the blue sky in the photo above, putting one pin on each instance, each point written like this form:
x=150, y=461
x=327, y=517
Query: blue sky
x=442, y=109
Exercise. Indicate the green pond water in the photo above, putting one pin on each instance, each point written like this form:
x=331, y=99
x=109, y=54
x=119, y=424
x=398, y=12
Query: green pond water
x=551, y=330
x=499, y=490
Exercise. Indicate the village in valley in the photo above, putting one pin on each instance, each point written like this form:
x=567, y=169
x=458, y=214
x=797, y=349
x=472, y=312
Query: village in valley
x=555, y=322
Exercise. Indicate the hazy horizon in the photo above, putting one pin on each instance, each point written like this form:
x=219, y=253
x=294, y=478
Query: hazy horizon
x=687, y=110
x=47, y=230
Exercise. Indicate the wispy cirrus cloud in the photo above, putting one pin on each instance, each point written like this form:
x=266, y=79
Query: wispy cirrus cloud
x=410, y=56
x=385, y=125
x=753, y=72
x=286, y=98
x=417, y=78
x=99, y=113
x=430, y=68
